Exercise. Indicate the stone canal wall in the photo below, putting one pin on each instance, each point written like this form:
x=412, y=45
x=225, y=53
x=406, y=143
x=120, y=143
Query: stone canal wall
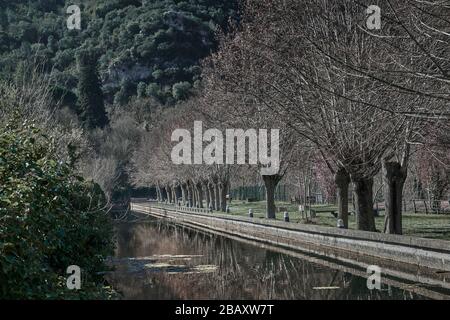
x=406, y=254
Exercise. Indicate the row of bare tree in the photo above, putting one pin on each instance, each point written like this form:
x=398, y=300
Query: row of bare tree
x=364, y=100
x=189, y=185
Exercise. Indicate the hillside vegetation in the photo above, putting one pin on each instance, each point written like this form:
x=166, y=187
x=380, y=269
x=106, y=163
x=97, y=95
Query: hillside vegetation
x=146, y=48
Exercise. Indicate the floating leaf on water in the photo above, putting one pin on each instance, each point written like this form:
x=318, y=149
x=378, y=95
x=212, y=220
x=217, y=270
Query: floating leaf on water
x=165, y=257
x=165, y=267
x=206, y=268
x=169, y=256
x=199, y=269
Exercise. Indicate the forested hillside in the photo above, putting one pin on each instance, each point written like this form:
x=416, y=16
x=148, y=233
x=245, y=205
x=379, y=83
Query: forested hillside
x=149, y=48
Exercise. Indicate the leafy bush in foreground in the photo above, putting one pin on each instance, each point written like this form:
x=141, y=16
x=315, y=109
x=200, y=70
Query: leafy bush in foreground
x=49, y=219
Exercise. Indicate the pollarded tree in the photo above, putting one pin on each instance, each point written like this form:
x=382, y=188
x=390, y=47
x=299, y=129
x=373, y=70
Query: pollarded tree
x=414, y=38
x=141, y=161
x=253, y=135
x=213, y=174
x=90, y=95
x=153, y=164
x=150, y=164
x=306, y=61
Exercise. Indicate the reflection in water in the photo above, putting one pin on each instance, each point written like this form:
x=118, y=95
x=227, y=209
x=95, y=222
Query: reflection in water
x=158, y=260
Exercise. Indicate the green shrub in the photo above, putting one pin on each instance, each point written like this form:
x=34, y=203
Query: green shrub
x=49, y=219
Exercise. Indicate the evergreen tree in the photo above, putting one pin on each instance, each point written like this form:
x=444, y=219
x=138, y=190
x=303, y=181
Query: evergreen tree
x=90, y=95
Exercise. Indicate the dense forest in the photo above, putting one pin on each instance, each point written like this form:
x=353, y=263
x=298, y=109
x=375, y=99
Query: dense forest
x=145, y=48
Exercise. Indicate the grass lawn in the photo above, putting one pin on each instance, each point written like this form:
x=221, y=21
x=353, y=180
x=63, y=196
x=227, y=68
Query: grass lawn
x=418, y=225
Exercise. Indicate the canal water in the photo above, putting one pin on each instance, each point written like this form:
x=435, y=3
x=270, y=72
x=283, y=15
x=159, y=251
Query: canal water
x=159, y=260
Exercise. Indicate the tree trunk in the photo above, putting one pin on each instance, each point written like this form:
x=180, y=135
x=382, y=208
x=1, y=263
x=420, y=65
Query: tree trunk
x=271, y=182
x=212, y=196
x=166, y=194
x=305, y=197
x=194, y=195
x=189, y=195
x=223, y=196
x=342, y=180
x=363, y=194
x=220, y=196
x=394, y=178
x=207, y=196
x=193, y=198
x=217, y=197
x=162, y=194
x=174, y=195
x=158, y=193
x=184, y=194
x=200, y=195
x=169, y=194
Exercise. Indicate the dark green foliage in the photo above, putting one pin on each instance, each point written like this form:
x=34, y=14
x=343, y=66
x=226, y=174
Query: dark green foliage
x=151, y=41
x=90, y=94
x=180, y=90
x=122, y=97
x=49, y=219
x=66, y=97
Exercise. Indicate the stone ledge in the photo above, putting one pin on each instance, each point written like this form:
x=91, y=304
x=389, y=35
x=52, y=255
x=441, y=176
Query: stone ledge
x=420, y=252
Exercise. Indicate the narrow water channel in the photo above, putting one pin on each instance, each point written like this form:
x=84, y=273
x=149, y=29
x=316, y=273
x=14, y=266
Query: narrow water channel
x=159, y=260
